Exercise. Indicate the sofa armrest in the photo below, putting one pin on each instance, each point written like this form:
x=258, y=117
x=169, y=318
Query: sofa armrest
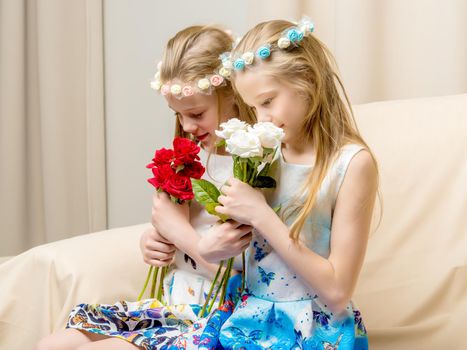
x=40, y=286
x=4, y=259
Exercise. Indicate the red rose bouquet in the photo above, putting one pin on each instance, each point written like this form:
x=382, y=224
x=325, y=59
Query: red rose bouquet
x=173, y=170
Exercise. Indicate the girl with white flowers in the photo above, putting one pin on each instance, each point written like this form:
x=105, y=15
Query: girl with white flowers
x=303, y=264
x=195, y=84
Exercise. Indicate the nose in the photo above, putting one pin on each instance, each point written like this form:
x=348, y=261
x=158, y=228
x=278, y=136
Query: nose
x=189, y=126
x=263, y=116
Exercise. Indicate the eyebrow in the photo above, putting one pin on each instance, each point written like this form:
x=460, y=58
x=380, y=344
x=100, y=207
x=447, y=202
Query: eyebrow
x=264, y=93
x=186, y=110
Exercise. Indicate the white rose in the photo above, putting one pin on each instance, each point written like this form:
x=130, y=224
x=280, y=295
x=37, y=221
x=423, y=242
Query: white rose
x=156, y=85
x=229, y=127
x=175, y=89
x=204, y=84
x=269, y=134
x=224, y=72
x=248, y=57
x=283, y=43
x=227, y=64
x=244, y=144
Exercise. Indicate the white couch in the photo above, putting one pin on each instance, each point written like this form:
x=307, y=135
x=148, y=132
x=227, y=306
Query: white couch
x=413, y=286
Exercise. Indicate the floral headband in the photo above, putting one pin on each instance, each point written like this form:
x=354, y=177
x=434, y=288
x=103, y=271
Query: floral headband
x=291, y=37
x=204, y=85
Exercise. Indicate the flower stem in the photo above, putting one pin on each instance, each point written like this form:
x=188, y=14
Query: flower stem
x=213, y=300
x=225, y=282
x=243, y=271
x=145, y=283
x=154, y=281
x=160, y=290
x=208, y=297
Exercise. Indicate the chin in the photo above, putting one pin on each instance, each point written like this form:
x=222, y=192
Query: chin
x=206, y=143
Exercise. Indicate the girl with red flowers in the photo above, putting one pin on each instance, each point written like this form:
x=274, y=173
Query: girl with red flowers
x=195, y=84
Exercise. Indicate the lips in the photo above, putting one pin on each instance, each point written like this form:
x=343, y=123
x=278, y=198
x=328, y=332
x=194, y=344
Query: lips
x=202, y=137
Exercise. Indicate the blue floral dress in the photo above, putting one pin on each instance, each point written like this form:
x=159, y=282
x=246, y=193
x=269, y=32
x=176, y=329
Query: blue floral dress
x=278, y=310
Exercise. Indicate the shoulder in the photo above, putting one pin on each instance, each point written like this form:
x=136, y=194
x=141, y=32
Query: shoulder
x=363, y=166
x=361, y=176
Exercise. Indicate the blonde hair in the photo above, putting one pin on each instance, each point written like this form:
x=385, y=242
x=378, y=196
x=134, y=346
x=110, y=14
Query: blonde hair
x=194, y=53
x=329, y=121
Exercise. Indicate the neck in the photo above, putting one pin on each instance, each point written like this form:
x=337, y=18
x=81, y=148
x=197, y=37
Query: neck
x=212, y=149
x=300, y=153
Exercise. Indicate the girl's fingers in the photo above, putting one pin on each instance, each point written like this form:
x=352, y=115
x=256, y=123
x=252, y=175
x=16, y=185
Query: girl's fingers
x=221, y=199
x=245, y=246
x=158, y=263
x=233, y=181
x=245, y=228
x=233, y=224
x=161, y=247
x=154, y=255
x=246, y=238
x=220, y=209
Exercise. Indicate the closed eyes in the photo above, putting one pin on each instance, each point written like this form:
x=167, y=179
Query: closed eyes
x=266, y=102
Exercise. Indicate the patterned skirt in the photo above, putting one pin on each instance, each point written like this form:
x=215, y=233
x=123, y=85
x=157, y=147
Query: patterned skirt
x=151, y=325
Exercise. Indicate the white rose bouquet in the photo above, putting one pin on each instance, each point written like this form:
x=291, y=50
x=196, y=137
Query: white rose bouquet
x=253, y=149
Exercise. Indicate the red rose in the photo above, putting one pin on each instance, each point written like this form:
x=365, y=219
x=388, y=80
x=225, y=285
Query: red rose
x=162, y=174
x=185, y=151
x=179, y=186
x=194, y=170
x=164, y=156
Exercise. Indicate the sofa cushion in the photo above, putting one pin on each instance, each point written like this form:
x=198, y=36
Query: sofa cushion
x=412, y=289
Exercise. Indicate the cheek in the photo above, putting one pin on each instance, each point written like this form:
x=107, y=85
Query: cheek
x=210, y=122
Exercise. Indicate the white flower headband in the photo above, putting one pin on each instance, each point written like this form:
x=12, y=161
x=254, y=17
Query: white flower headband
x=290, y=37
x=204, y=85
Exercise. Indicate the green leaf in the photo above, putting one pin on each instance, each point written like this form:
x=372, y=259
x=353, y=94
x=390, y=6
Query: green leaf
x=210, y=208
x=264, y=182
x=207, y=194
x=220, y=143
x=255, y=159
x=238, y=171
x=277, y=209
x=265, y=170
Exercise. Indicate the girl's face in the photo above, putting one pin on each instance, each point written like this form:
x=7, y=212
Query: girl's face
x=273, y=101
x=198, y=115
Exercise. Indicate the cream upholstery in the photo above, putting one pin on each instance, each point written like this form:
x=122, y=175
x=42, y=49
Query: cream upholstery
x=413, y=286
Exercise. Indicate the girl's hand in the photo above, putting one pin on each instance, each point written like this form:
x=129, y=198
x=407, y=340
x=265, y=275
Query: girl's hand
x=241, y=202
x=224, y=240
x=167, y=215
x=156, y=250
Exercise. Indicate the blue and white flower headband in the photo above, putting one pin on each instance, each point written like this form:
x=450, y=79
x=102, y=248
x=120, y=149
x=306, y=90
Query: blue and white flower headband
x=291, y=37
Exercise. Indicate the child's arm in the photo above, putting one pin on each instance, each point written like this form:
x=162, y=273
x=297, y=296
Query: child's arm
x=172, y=222
x=333, y=279
x=156, y=250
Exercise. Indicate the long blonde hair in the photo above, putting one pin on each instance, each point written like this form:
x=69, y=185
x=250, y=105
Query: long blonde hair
x=194, y=53
x=329, y=122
